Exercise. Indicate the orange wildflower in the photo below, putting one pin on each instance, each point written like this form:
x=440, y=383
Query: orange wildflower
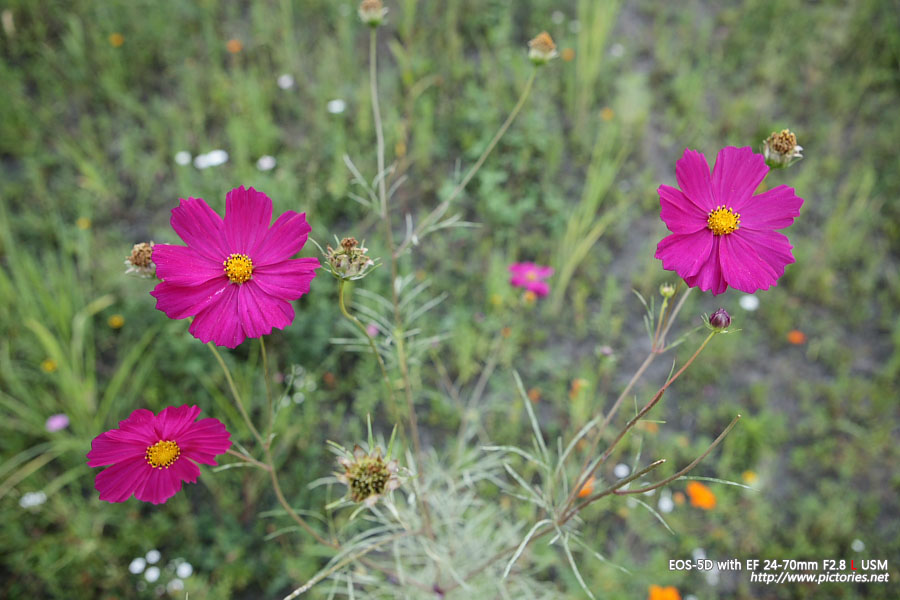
x=607, y=113
x=568, y=54
x=701, y=496
x=796, y=337
x=116, y=39
x=234, y=46
x=587, y=488
x=534, y=394
x=678, y=497
x=663, y=593
x=578, y=384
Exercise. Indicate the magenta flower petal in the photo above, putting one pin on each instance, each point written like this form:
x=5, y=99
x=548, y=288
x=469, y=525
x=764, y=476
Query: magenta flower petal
x=692, y=173
x=774, y=209
x=737, y=174
x=200, y=228
x=175, y=420
x=273, y=312
x=151, y=456
x=120, y=481
x=772, y=247
x=219, y=322
x=288, y=279
x=680, y=214
x=685, y=254
x=179, y=301
x=181, y=265
x=285, y=239
x=159, y=486
x=235, y=277
x=742, y=267
x=247, y=217
x=709, y=276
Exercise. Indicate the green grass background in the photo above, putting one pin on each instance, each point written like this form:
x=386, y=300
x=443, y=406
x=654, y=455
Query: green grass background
x=89, y=131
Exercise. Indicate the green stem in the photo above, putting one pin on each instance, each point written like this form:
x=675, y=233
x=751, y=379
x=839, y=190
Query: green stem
x=271, y=415
x=442, y=207
x=362, y=328
x=235, y=394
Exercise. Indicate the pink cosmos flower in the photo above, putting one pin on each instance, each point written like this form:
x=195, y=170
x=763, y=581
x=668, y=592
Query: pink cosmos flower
x=723, y=235
x=235, y=276
x=531, y=277
x=151, y=455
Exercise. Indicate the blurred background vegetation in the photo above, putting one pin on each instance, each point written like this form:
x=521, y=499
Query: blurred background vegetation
x=99, y=97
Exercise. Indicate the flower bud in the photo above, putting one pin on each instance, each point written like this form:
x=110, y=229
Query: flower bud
x=141, y=260
x=541, y=49
x=371, y=12
x=720, y=319
x=667, y=290
x=349, y=261
x=781, y=150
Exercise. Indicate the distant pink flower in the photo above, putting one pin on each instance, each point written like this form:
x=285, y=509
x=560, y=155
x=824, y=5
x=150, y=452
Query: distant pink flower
x=372, y=329
x=723, y=235
x=56, y=422
x=151, y=455
x=235, y=277
x=531, y=277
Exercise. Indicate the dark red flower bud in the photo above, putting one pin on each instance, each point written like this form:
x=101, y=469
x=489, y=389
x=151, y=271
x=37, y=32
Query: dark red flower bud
x=720, y=319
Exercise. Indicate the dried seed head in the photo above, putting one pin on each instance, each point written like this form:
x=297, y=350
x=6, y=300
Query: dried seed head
x=349, y=260
x=368, y=476
x=781, y=150
x=541, y=49
x=141, y=260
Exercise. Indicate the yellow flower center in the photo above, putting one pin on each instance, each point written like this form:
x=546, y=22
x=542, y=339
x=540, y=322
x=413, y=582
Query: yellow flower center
x=239, y=268
x=531, y=276
x=162, y=454
x=723, y=221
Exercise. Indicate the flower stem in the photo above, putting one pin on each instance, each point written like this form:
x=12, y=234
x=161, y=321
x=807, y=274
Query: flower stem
x=656, y=348
x=362, y=328
x=235, y=394
x=270, y=414
x=443, y=206
x=389, y=235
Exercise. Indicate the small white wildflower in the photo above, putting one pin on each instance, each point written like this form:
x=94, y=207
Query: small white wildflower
x=617, y=50
x=749, y=302
x=176, y=585
x=649, y=492
x=153, y=557
x=266, y=163
x=183, y=158
x=32, y=499
x=557, y=17
x=285, y=81
x=217, y=157
x=712, y=576
x=621, y=470
x=857, y=545
x=690, y=597
x=137, y=565
x=336, y=106
x=665, y=504
x=151, y=574
x=184, y=570
x=698, y=553
x=201, y=161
